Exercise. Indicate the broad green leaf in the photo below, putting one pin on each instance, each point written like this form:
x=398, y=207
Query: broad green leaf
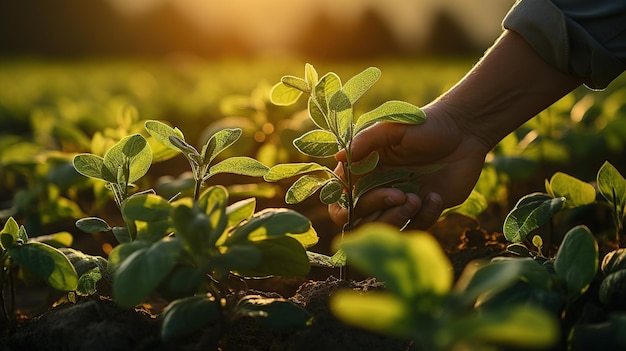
x=612, y=186
x=380, y=312
x=310, y=75
x=214, y=196
x=576, y=261
x=187, y=315
x=240, y=165
x=283, y=95
x=89, y=165
x=131, y=155
x=146, y=208
x=161, y=132
x=223, y=139
x=141, y=272
x=270, y=222
x=58, y=240
x=341, y=105
x=297, y=83
x=240, y=211
x=523, y=327
x=529, y=216
x=121, y=252
x=575, y=191
x=328, y=85
x=366, y=165
x=611, y=292
x=331, y=192
x=274, y=313
x=391, y=111
x=356, y=86
x=122, y=235
x=376, y=179
x=317, y=143
x=411, y=264
x=280, y=256
x=473, y=206
x=47, y=262
x=88, y=282
x=288, y=170
x=93, y=225
x=193, y=226
x=10, y=234
x=187, y=149
x=320, y=260
x=304, y=187
x=614, y=261
x=306, y=239
x=241, y=257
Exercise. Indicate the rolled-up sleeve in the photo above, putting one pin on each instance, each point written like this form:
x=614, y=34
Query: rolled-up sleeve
x=582, y=37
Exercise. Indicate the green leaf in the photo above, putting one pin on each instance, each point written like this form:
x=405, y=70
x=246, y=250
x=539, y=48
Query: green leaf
x=359, y=84
x=527, y=216
x=270, y=222
x=193, y=226
x=307, y=238
x=93, y=225
x=188, y=150
x=297, y=83
x=287, y=170
x=10, y=234
x=340, y=104
x=317, y=143
x=376, y=179
x=146, y=208
x=187, y=315
x=131, y=155
x=310, y=75
x=328, y=85
x=121, y=252
x=380, y=312
x=472, y=207
x=391, y=111
x=89, y=165
x=88, y=282
x=161, y=132
x=331, y=192
x=280, y=256
x=411, y=264
x=575, y=191
x=614, y=261
x=304, y=187
x=366, y=165
x=274, y=313
x=47, y=262
x=122, y=235
x=240, y=211
x=240, y=165
x=612, y=186
x=141, y=272
x=57, y=240
x=223, y=139
x=284, y=95
x=576, y=261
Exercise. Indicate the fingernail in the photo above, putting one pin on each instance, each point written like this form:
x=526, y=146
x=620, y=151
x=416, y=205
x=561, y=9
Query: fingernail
x=389, y=201
x=433, y=200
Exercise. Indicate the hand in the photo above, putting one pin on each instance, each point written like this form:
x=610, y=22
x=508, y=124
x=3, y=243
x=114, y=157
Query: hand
x=440, y=140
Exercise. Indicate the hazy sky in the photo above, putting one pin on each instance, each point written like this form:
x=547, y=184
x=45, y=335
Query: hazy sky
x=268, y=23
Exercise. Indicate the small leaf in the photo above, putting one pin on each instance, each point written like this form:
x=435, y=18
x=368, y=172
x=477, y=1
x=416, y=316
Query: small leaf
x=331, y=192
x=376, y=179
x=93, y=225
x=287, y=170
x=310, y=75
x=48, y=263
x=89, y=165
x=270, y=222
x=240, y=165
x=297, y=83
x=366, y=165
x=162, y=133
x=328, y=85
x=223, y=139
x=187, y=315
x=146, y=208
x=391, y=111
x=280, y=256
x=284, y=95
x=131, y=155
x=303, y=188
x=575, y=191
x=576, y=261
x=612, y=186
x=317, y=143
x=340, y=104
x=10, y=233
x=472, y=207
x=274, y=313
x=240, y=211
x=527, y=216
x=356, y=86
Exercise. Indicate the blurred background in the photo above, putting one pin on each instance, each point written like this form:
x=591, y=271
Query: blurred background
x=323, y=29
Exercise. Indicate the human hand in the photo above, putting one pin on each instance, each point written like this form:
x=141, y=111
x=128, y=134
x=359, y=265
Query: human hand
x=440, y=140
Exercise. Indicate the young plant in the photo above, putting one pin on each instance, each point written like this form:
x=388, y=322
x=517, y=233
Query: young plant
x=187, y=249
x=331, y=108
x=32, y=255
x=420, y=302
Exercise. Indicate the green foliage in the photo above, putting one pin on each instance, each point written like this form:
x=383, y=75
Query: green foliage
x=421, y=303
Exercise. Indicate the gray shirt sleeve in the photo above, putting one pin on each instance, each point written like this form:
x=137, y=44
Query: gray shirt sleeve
x=586, y=38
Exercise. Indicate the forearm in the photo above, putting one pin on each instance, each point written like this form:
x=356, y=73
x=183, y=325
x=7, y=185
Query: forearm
x=507, y=87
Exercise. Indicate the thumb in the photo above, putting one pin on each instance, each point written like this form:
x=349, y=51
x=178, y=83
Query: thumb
x=376, y=137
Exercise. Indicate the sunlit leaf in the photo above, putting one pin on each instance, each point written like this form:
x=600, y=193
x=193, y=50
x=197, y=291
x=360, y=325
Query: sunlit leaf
x=9, y=234
x=527, y=216
x=473, y=206
x=366, y=165
x=131, y=155
x=341, y=105
x=47, y=262
x=240, y=165
x=310, y=75
x=328, y=85
x=295, y=82
x=274, y=313
x=89, y=165
x=391, y=111
x=317, y=143
x=92, y=225
x=161, y=132
x=240, y=211
x=612, y=186
x=304, y=187
x=575, y=191
x=288, y=170
x=223, y=139
x=270, y=222
x=280, y=256
x=331, y=192
x=284, y=95
x=576, y=261
x=356, y=86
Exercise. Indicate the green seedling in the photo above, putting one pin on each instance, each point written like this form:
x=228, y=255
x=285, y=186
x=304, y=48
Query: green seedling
x=35, y=256
x=188, y=249
x=420, y=302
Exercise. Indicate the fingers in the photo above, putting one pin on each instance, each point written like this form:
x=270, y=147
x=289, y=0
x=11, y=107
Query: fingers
x=429, y=213
x=378, y=136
